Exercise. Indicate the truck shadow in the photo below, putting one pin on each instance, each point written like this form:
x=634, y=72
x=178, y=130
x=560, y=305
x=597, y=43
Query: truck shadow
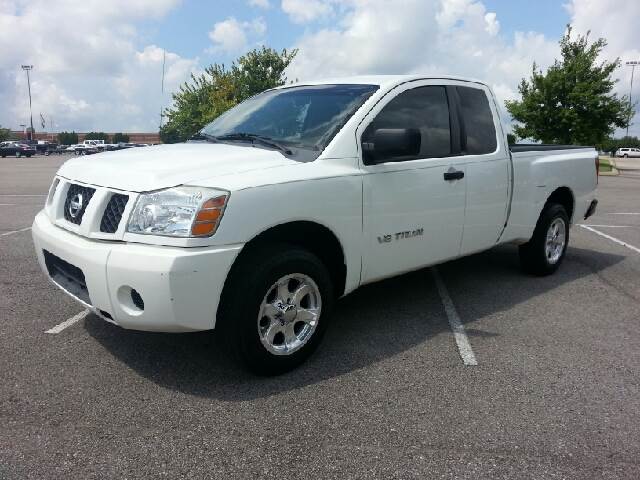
x=374, y=323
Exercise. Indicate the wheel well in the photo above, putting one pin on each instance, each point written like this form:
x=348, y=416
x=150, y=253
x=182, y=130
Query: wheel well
x=564, y=197
x=311, y=236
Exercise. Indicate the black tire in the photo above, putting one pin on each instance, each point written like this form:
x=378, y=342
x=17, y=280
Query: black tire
x=533, y=255
x=247, y=285
x=626, y=156
x=18, y=154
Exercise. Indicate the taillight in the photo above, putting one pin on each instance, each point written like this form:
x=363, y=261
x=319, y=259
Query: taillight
x=597, y=168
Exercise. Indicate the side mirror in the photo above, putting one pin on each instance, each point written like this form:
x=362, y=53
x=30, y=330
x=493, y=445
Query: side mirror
x=387, y=144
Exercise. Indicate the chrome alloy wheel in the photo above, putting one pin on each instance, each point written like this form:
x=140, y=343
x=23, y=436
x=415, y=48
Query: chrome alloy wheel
x=556, y=239
x=289, y=314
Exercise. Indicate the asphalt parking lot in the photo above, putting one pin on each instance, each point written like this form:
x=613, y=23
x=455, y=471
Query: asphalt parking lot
x=555, y=392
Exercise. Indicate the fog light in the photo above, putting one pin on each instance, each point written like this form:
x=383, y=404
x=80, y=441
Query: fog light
x=130, y=300
x=137, y=299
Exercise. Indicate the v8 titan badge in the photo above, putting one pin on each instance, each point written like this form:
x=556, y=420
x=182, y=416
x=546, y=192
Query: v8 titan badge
x=418, y=232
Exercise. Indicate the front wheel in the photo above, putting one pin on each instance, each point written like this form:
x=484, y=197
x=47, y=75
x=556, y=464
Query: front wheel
x=275, y=308
x=543, y=254
x=18, y=154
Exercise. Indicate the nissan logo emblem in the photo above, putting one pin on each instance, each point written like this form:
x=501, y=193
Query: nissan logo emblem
x=75, y=205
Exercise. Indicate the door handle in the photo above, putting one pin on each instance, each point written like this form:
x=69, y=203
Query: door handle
x=453, y=174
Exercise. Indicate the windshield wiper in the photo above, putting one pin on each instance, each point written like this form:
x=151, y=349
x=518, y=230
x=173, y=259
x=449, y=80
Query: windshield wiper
x=204, y=136
x=254, y=138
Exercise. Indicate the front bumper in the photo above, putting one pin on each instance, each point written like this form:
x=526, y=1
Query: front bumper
x=180, y=287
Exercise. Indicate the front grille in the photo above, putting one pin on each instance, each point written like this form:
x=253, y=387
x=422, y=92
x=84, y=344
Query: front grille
x=113, y=213
x=75, y=204
x=68, y=276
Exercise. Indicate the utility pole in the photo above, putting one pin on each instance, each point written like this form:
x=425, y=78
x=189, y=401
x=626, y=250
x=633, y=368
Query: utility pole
x=633, y=65
x=164, y=57
x=28, y=68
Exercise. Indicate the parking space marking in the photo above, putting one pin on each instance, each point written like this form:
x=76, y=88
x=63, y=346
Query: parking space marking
x=625, y=213
x=14, y=231
x=613, y=239
x=22, y=195
x=610, y=226
x=7, y=204
x=464, y=347
x=67, y=323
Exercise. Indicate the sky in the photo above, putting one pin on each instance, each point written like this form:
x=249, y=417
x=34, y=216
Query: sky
x=97, y=64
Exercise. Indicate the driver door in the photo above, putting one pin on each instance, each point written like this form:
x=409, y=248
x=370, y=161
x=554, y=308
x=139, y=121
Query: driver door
x=413, y=205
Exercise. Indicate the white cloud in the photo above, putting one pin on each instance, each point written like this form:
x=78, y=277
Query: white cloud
x=231, y=36
x=493, y=25
x=91, y=76
x=305, y=11
x=259, y=3
x=452, y=37
x=457, y=37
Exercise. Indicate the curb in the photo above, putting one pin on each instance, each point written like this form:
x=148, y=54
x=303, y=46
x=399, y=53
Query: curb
x=614, y=170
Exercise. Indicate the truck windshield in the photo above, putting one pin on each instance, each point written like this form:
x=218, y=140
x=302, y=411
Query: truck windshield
x=304, y=119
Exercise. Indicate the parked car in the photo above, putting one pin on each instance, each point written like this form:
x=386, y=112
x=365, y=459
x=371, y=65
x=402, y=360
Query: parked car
x=628, y=152
x=298, y=196
x=86, y=150
x=83, y=149
x=16, y=149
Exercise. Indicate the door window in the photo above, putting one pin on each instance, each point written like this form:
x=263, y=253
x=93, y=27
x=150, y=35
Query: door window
x=478, y=121
x=425, y=109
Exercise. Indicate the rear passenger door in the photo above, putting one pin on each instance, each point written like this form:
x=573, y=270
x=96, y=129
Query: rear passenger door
x=414, y=205
x=487, y=168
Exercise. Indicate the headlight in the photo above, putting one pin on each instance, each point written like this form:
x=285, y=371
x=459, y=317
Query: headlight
x=179, y=212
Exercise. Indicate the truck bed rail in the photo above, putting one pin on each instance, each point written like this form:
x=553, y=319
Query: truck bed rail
x=542, y=147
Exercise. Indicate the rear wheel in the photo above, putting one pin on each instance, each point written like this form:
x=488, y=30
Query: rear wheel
x=275, y=308
x=626, y=156
x=543, y=254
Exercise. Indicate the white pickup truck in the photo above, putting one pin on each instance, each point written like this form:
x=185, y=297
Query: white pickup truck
x=298, y=196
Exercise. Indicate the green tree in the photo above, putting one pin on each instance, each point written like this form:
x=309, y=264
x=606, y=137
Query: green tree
x=5, y=134
x=209, y=95
x=511, y=139
x=97, y=136
x=120, y=138
x=67, y=138
x=572, y=102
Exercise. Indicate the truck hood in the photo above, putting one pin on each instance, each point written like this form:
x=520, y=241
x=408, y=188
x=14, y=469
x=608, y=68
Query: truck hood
x=151, y=168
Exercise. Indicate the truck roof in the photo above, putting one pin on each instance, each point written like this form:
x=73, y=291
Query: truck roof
x=381, y=80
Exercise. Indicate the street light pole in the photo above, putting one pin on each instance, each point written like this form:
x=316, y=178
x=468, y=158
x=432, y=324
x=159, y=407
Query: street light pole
x=28, y=68
x=633, y=65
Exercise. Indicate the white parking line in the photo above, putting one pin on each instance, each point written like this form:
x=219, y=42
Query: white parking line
x=67, y=323
x=464, y=347
x=610, y=226
x=7, y=204
x=14, y=231
x=22, y=195
x=613, y=239
x=625, y=213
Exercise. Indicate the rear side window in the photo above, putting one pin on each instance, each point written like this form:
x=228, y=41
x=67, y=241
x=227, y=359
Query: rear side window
x=423, y=108
x=478, y=121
